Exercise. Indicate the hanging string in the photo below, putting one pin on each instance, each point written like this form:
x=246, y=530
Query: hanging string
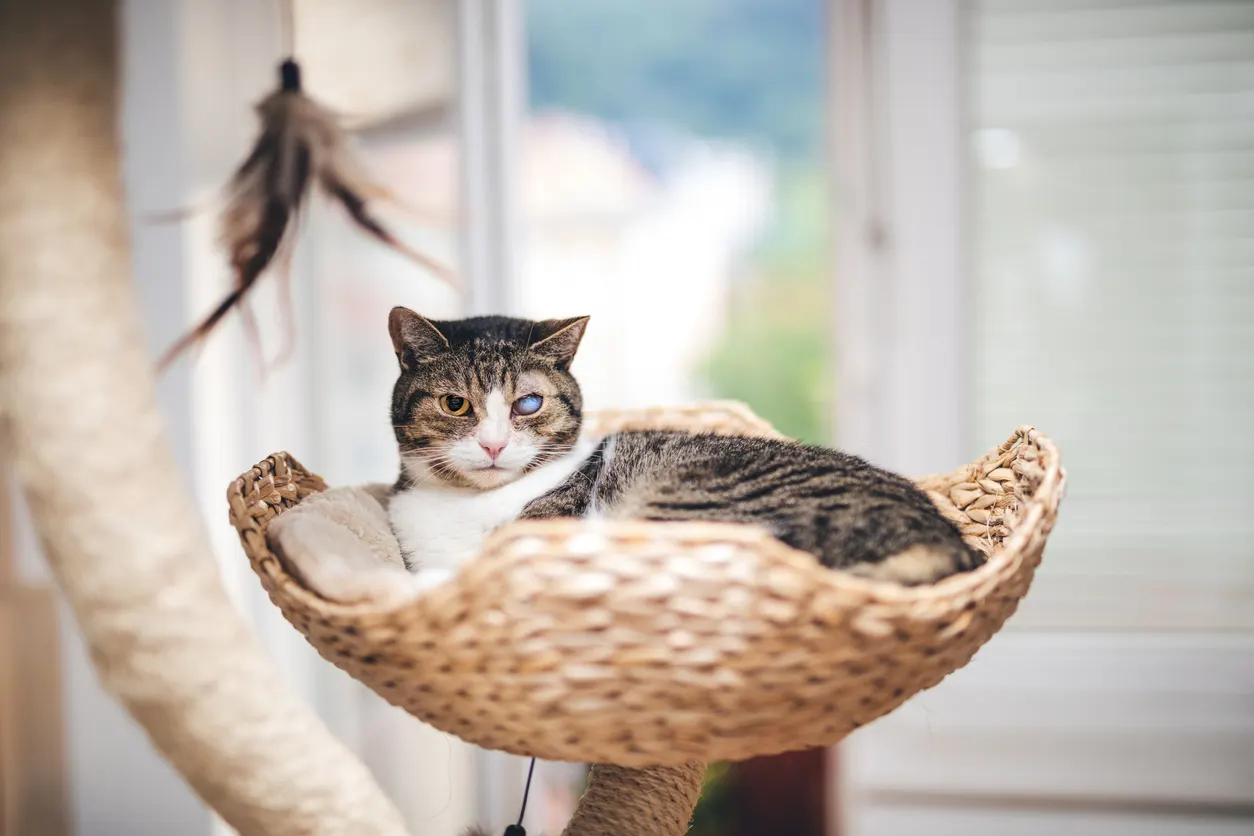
x=287, y=27
x=289, y=70
x=517, y=829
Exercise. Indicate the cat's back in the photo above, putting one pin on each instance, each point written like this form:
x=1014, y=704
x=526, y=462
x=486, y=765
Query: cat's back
x=825, y=501
x=738, y=460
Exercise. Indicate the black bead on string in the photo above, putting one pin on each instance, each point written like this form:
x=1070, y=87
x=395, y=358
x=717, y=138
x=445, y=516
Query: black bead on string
x=289, y=76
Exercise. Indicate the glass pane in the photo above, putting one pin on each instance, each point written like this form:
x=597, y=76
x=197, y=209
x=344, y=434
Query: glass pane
x=1114, y=275
x=672, y=187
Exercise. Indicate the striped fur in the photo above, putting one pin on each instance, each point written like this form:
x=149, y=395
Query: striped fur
x=838, y=507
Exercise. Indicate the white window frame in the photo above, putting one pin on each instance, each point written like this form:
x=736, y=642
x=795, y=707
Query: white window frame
x=492, y=98
x=492, y=102
x=900, y=227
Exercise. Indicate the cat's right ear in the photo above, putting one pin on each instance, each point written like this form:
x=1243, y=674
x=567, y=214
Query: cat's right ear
x=414, y=337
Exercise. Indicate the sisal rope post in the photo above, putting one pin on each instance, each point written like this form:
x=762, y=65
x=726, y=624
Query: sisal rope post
x=87, y=445
x=654, y=801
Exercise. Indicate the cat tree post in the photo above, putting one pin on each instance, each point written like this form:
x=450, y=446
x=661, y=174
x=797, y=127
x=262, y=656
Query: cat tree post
x=657, y=801
x=87, y=446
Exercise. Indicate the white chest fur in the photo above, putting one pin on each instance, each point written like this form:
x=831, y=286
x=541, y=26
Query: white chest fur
x=440, y=526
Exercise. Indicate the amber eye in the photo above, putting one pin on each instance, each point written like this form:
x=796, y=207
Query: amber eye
x=528, y=405
x=454, y=405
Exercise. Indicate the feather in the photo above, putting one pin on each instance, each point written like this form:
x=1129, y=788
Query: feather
x=301, y=145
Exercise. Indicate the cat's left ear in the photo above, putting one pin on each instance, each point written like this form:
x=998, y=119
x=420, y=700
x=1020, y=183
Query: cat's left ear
x=557, y=340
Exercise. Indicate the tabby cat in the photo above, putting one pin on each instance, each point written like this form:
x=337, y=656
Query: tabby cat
x=488, y=417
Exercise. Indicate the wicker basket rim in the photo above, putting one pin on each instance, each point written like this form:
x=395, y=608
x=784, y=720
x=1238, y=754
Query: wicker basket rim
x=969, y=586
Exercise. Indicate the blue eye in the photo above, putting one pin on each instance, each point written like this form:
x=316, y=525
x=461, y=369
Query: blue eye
x=528, y=405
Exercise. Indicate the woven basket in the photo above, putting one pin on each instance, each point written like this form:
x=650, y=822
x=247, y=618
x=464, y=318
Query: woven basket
x=644, y=644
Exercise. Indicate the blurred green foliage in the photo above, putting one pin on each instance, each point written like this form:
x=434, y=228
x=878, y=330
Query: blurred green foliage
x=775, y=353
x=713, y=813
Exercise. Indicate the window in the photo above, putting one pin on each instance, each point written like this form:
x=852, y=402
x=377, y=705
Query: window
x=672, y=185
x=1113, y=293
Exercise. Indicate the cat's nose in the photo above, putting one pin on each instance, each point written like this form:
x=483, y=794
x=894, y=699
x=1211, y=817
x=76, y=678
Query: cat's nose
x=493, y=448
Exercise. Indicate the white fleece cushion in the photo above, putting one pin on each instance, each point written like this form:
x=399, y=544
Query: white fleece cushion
x=339, y=544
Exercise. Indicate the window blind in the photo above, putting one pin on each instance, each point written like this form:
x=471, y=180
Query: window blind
x=1112, y=290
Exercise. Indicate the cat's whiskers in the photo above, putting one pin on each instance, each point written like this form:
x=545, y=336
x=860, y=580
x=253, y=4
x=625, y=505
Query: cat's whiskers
x=439, y=467
x=420, y=479
x=550, y=452
x=596, y=456
x=435, y=463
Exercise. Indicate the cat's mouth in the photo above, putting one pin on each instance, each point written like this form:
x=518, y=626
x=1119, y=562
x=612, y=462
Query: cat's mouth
x=493, y=466
x=466, y=464
x=491, y=475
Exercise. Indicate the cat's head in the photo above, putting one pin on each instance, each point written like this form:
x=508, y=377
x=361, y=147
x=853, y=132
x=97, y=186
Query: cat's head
x=481, y=401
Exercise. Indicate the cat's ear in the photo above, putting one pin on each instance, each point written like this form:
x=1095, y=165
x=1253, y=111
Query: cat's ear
x=557, y=340
x=414, y=337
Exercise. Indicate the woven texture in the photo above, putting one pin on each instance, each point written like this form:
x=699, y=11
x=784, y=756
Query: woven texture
x=657, y=801
x=658, y=644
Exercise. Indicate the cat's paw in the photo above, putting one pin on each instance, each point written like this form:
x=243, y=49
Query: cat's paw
x=916, y=566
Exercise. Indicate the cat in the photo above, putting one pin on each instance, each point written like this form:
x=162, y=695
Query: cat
x=488, y=419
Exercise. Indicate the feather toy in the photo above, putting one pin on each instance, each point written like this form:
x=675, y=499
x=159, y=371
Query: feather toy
x=301, y=146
